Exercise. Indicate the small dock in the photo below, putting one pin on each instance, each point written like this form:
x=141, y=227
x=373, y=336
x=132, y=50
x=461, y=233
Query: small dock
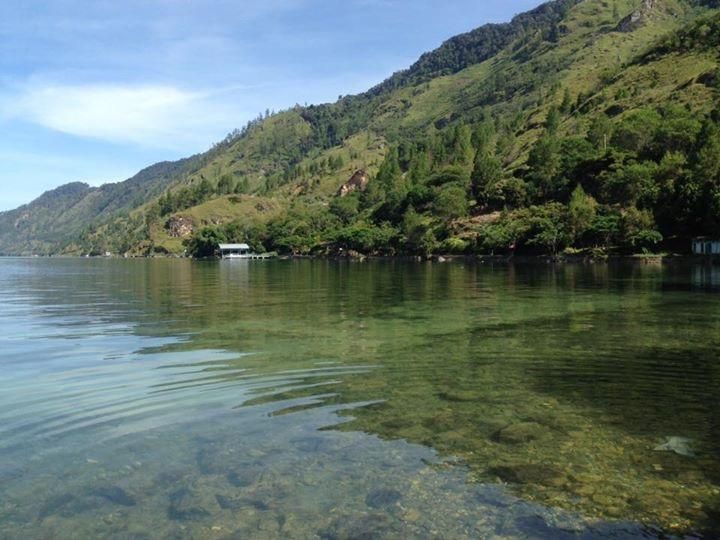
x=242, y=251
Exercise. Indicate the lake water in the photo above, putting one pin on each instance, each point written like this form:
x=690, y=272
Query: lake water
x=299, y=399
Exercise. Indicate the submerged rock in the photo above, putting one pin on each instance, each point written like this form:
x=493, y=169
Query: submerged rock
x=310, y=444
x=381, y=498
x=236, y=503
x=521, y=432
x=366, y=528
x=460, y=396
x=681, y=446
x=242, y=478
x=55, y=505
x=115, y=495
x=528, y=473
x=187, y=505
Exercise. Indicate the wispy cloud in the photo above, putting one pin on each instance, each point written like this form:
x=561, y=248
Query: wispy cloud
x=150, y=115
x=96, y=90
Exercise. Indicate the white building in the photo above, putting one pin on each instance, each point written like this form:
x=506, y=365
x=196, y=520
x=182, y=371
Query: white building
x=706, y=246
x=235, y=251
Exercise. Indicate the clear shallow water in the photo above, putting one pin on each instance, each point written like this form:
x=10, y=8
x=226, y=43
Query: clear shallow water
x=172, y=399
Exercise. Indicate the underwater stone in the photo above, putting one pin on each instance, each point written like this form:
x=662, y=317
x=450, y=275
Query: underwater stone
x=535, y=526
x=186, y=505
x=308, y=444
x=243, y=478
x=412, y=515
x=459, y=396
x=493, y=495
x=367, y=527
x=236, y=503
x=228, y=503
x=55, y=504
x=519, y=433
x=115, y=495
x=379, y=498
x=528, y=473
x=681, y=446
x=209, y=461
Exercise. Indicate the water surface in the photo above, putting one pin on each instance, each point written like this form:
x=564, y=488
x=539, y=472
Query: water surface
x=236, y=399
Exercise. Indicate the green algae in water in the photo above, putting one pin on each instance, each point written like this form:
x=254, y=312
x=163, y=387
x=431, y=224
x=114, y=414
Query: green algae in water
x=317, y=399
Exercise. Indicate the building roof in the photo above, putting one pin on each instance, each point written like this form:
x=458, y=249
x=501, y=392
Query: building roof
x=228, y=247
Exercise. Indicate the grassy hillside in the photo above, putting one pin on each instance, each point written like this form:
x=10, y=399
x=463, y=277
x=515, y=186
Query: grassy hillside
x=581, y=125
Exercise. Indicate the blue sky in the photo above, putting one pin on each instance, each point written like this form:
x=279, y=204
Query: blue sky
x=95, y=90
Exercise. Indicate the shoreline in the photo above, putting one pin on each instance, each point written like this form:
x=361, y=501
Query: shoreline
x=437, y=258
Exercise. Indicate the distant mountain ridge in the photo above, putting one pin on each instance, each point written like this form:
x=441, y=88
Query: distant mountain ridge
x=60, y=215
x=465, y=151
x=476, y=46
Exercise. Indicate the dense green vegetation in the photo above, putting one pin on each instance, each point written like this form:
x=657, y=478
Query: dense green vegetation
x=627, y=184
x=477, y=46
x=564, y=130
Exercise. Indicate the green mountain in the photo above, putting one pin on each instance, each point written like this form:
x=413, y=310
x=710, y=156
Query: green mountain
x=56, y=219
x=582, y=125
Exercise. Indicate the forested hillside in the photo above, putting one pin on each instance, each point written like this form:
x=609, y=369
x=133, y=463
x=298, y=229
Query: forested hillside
x=579, y=126
x=56, y=219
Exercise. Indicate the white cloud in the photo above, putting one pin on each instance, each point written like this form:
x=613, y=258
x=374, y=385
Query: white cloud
x=149, y=115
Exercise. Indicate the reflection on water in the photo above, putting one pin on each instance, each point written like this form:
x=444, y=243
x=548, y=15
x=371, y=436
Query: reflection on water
x=706, y=276
x=172, y=399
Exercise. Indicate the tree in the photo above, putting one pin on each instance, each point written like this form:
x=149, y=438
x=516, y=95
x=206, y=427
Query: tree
x=544, y=165
x=486, y=173
x=419, y=167
x=451, y=202
x=345, y=208
x=242, y=186
x=463, y=151
x=508, y=192
x=552, y=122
x=638, y=229
x=226, y=184
x=151, y=216
x=249, y=233
x=631, y=184
x=451, y=174
x=600, y=132
x=205, y=242
x=549, y=227
x=567, y=102
x=390, y=175
x=581, y=212
x=706, y=179
x=677, y=132
x=605, y=229
x=366, y=237
x=484, y=137
x=554, y=33
x=637, y=131
x=414, y=232
x=167, y=204
x=575, y=153
x=506, y=233
x=389, y=189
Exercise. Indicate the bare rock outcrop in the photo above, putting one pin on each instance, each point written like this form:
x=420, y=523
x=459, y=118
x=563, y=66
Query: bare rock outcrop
x=357, y=182
x=638, y=17
x=180, y=226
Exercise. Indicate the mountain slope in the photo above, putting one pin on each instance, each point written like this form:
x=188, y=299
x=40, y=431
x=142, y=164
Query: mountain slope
x=478, y=146
x=59, y=216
